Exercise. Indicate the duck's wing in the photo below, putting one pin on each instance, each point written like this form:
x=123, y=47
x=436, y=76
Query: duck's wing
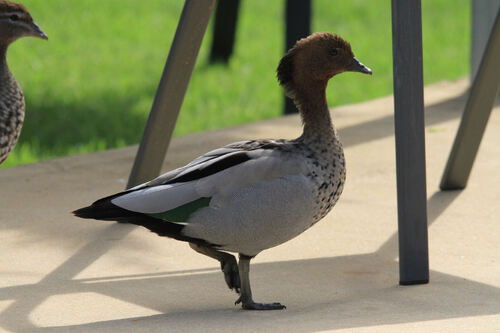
x=219, y=172
x=218, y=159
x=174, y=196
x=179, y=190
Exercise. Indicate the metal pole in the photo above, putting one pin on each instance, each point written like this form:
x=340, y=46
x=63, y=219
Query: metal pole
x=298, y=25
x=477, y=111
x=483, y=13
x=172, y=88
x=224, y=32
x=410, y=141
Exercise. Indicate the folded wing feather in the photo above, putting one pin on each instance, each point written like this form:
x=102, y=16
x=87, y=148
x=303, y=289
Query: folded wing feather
x=192, y=187
x=157, y=199
x=200, y=161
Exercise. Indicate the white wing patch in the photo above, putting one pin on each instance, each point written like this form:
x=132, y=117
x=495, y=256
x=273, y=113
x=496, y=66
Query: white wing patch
x=157, y=199
x=263, y=168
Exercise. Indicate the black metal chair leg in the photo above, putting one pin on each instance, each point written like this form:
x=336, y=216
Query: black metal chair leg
x=477, y=111
x=410, y=141
x=170, y=94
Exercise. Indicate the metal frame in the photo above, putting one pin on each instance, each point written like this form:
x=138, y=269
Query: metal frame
x=224, y=30
x=477, y=111
x=409, y=125
x=483, y=14
x=410, y=141
x=170, y=94
x=298, y=25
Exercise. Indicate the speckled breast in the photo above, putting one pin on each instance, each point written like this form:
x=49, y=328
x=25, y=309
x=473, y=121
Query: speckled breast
x=11, y=115
x=327, y=170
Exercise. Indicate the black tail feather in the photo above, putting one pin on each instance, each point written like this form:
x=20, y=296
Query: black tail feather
x=104, y=209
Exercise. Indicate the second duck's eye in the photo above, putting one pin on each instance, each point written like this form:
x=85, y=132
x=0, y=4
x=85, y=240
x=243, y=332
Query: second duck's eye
x=334, y=52
x=14, y=17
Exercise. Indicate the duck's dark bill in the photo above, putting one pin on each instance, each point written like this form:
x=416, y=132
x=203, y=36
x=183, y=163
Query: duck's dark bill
x=357, y=66
x=36, y=31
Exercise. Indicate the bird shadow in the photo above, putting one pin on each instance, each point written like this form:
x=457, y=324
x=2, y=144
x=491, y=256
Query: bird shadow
x=323, y=293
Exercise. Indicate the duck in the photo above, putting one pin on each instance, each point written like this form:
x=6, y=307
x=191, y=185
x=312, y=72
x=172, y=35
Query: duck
x=249, y=196
x=15, y=22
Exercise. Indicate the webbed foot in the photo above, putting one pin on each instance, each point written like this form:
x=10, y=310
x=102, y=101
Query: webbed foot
x=251, y=305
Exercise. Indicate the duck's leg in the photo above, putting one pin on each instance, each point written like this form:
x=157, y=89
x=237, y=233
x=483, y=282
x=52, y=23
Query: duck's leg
x=246, y=293
x=228, y=264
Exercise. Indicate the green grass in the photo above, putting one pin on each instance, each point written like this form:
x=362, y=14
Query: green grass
x=90, y=87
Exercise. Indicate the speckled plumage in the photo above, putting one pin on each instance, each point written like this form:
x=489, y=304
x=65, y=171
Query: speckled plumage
x=12, y=107
x=250, y=196
x=323, y=156
x=15, y=22
x=326, y=163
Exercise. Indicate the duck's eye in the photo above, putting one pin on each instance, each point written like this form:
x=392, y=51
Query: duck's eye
x=14, y=17
x=334, y=52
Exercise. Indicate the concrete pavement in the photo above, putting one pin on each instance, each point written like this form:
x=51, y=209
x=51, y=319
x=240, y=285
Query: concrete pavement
x=60, y=273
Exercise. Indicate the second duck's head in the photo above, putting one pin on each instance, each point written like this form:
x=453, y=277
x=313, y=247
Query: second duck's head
x=16, y=22
x=316, y=59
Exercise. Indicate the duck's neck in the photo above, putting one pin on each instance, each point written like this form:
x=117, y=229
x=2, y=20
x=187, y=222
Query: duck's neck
x=312, y=105
x=4, y=69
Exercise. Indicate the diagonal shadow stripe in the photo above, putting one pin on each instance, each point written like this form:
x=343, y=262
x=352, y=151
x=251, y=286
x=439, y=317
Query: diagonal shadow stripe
x=16, y=316
x=436, y=205
x=23, y=306
x=341, y=269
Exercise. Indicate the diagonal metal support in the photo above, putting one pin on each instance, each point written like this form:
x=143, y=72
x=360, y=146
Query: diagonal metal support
x=410, y=141
x=172, y=88
x=477, y=111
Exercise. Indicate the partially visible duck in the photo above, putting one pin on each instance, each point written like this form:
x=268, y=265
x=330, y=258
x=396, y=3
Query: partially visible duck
x=15, y=22
x=252, y=195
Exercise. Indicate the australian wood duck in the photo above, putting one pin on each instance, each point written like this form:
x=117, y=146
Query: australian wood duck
x=15, y=22
x=252, y=195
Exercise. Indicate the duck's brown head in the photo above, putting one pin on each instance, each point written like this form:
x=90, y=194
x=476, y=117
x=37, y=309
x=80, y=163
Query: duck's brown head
x=316, y=59
x=16, y=22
